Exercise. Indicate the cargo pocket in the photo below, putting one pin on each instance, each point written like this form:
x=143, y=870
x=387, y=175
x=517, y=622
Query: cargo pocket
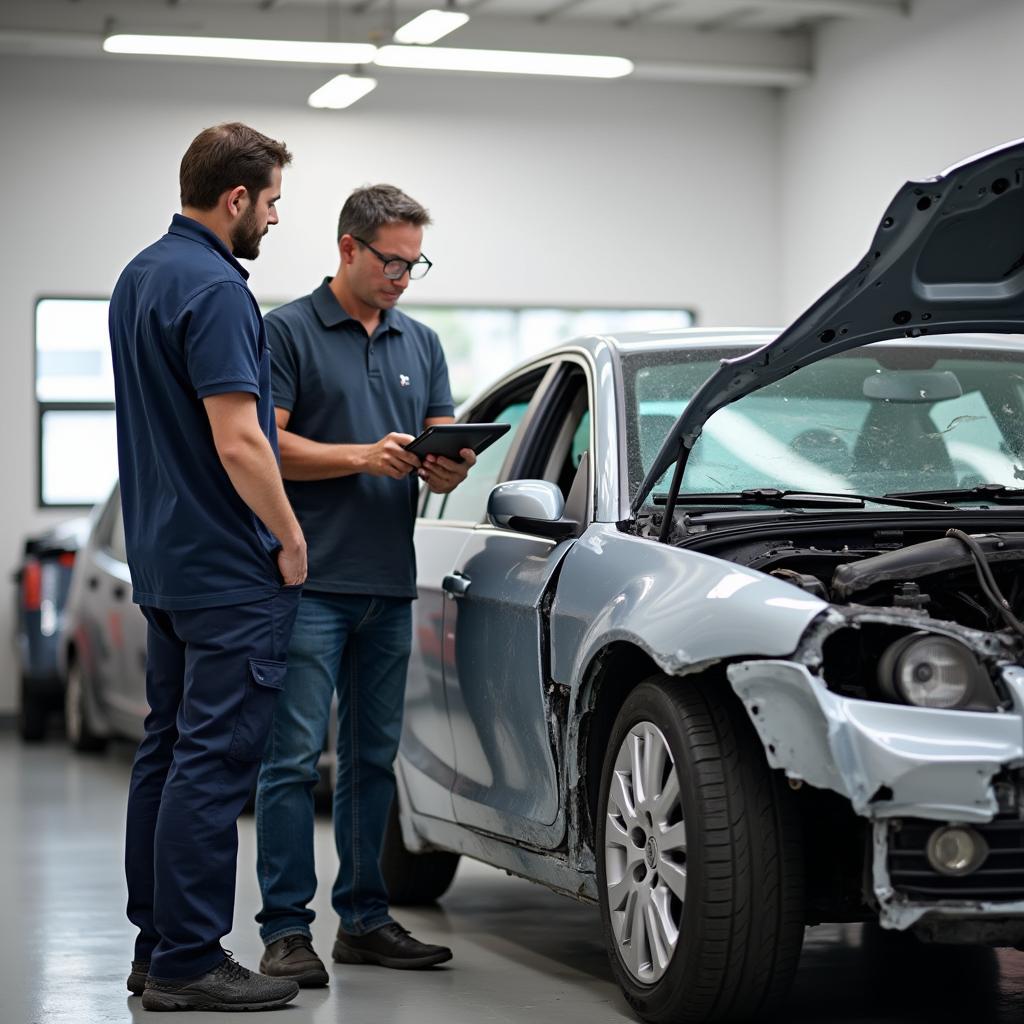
x=266, y=679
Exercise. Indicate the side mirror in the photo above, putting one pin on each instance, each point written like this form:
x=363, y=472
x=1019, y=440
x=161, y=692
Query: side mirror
x=530, y=506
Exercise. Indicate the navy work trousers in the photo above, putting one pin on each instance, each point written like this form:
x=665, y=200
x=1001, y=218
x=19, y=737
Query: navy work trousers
x=213, y=676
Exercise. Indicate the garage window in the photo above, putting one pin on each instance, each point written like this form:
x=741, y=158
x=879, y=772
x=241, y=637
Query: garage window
x=77, y=440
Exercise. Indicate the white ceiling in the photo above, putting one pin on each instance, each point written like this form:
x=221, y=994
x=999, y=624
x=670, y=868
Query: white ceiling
x=743, y=42
x=760, y=15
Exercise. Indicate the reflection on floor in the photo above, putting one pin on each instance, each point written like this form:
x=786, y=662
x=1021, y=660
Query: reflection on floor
x=521, y=953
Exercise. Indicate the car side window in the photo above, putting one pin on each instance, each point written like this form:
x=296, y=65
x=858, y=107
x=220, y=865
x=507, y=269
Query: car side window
x=432, y=504
x=468, y=502
x=559, y=443
x=581, y=439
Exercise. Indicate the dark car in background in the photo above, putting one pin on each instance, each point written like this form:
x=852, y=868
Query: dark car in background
x=42, y=582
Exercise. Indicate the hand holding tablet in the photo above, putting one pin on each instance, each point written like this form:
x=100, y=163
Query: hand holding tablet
x=448, y=439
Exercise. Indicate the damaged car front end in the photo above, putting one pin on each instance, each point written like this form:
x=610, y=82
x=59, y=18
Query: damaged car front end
x=918, y=722
x=905, y=695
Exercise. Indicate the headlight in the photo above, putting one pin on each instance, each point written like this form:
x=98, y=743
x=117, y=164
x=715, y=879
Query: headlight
x=934, y=672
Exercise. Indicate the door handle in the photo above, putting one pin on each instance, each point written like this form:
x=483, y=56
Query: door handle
x=455, y=585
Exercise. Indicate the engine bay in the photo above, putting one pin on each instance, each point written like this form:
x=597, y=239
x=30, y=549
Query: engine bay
x=914, y=567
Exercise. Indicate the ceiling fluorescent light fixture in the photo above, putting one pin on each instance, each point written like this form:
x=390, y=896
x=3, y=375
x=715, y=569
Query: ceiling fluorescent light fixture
x=281, y=50
x=341, y=92
x=509, y=62
x=430, y=26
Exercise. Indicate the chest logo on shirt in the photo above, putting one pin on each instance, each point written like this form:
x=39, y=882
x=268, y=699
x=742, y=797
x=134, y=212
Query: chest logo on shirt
x=403, y=380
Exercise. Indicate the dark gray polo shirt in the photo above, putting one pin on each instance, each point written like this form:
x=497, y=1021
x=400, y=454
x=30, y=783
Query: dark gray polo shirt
x=343, y=387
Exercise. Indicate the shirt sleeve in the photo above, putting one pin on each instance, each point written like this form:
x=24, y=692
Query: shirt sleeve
x=440, y=401
x=284, y=365
x=221, y=335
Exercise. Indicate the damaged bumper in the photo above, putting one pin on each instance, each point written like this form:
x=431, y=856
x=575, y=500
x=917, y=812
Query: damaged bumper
x=889, y=761
x=893, y=762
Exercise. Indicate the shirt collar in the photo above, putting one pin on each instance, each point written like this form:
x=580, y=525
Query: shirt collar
x=186, y=227
x=332, y=313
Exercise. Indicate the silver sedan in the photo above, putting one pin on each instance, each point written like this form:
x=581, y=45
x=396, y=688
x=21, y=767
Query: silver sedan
x=725, y=632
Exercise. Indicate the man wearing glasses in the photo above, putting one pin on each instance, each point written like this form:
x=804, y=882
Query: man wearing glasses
x=353, y=381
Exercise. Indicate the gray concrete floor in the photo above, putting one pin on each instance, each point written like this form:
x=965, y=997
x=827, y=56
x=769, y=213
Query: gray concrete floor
x=521, y=953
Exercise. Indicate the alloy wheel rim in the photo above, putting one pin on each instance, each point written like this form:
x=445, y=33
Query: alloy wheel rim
x=645, y=853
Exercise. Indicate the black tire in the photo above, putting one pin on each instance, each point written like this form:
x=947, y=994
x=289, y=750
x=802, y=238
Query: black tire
x=77, y=723
x=741, y=923
x=413, y=879
x=32, y=714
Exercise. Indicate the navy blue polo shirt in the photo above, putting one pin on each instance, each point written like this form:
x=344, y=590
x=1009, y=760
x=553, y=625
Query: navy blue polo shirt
x=184, y=326
x=345, y=387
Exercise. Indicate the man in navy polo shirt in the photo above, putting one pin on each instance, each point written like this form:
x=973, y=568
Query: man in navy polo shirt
x=217, y=559
x=354, y=380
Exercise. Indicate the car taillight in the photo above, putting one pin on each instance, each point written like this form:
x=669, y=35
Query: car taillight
x=67, y=559
x=31, y=585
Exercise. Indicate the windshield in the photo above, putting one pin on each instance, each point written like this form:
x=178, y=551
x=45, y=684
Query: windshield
x=895, y=416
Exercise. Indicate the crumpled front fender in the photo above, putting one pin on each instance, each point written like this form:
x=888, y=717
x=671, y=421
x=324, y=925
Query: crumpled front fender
x=886, y=759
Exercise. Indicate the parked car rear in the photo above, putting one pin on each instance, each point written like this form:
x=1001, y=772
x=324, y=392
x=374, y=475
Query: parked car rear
x=42, y=582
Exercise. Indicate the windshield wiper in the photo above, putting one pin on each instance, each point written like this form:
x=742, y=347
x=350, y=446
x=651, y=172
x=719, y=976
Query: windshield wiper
x=774, y=498
x=998, y=494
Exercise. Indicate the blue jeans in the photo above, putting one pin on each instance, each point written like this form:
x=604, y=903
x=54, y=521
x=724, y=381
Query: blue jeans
x=357, y=647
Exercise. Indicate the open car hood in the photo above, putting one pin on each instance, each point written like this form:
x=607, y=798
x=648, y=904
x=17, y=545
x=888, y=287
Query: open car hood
x=948, y=256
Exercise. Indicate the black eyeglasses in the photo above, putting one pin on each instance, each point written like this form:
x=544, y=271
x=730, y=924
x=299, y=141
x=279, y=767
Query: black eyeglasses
x=396, y=268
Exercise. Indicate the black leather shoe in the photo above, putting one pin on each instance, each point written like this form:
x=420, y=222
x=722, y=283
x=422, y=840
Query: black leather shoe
x=390, y=946
x=229, y=986
x=137, y=979
x=293, y=957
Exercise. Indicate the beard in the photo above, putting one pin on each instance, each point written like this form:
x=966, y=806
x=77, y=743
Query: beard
x=246, y=238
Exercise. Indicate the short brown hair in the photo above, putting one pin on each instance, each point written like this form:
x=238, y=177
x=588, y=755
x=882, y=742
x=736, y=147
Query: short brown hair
x=226, y=156
x=369, y=208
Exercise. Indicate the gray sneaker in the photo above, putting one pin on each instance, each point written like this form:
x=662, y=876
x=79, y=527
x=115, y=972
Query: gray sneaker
x=229, y=986
x=293, y=957
x=137, y=979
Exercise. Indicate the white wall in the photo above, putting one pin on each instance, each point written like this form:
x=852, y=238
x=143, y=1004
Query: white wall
x=542, y=193
x=890, y=100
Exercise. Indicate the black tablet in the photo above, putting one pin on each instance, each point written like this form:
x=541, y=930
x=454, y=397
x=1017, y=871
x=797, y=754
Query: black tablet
x=448, y=439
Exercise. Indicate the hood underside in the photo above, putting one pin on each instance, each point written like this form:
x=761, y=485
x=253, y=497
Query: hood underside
x=947, y=257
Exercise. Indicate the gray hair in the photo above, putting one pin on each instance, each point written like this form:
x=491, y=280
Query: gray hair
x=369, y=208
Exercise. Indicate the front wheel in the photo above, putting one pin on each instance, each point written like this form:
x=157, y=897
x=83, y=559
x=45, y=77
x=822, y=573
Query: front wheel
x=699, y=859
x=413, y=879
